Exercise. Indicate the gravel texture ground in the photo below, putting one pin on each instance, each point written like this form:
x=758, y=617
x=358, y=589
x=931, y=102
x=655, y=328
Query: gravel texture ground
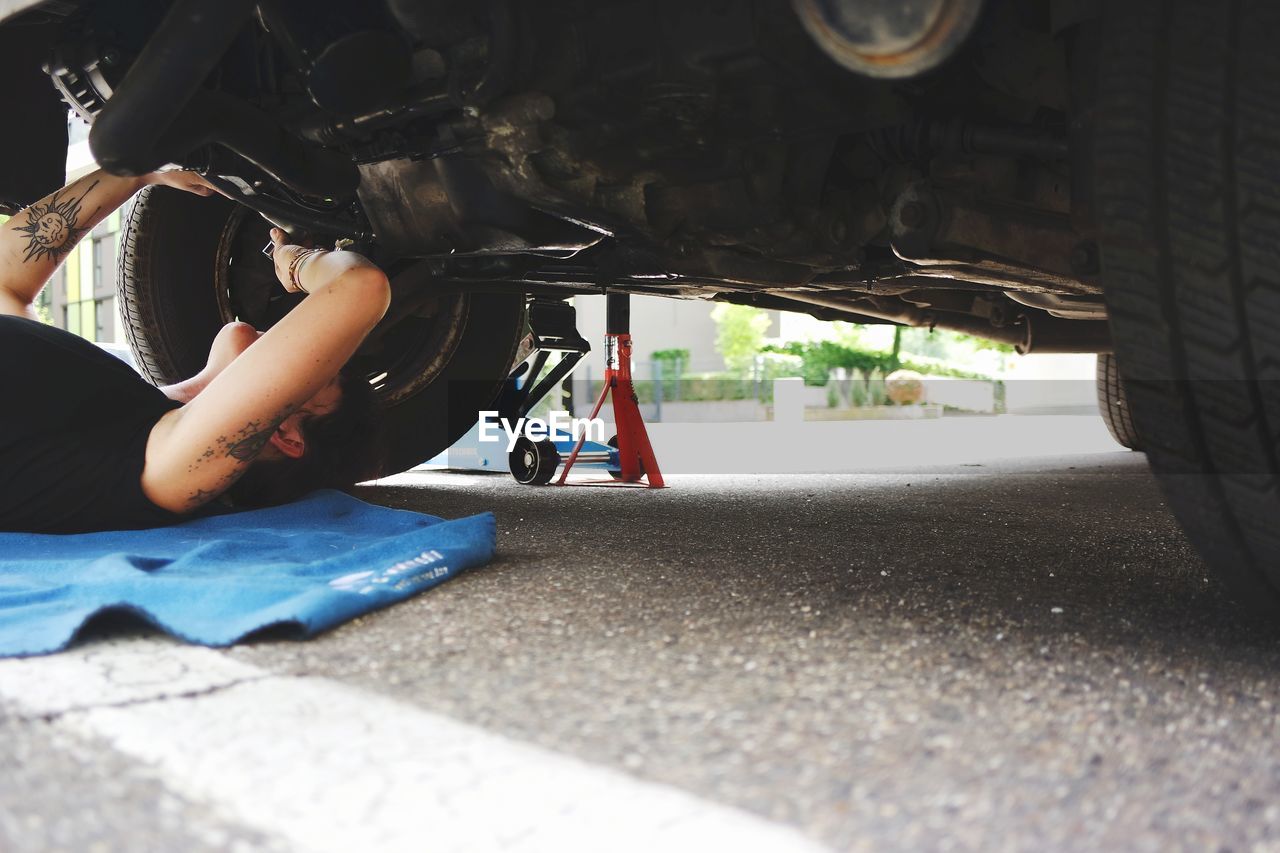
x=1021, y=655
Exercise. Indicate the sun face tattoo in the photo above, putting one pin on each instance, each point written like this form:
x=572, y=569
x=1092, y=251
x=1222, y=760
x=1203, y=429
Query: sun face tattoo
x=52, y=227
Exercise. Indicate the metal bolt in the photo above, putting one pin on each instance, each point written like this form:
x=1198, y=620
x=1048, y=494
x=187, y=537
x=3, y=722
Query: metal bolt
x=1084, y=258
x=912, y=214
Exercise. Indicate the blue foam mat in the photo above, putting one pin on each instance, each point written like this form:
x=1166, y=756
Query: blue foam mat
x=312, y=565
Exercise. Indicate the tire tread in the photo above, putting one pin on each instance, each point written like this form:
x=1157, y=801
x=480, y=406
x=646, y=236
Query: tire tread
x=1187, y=293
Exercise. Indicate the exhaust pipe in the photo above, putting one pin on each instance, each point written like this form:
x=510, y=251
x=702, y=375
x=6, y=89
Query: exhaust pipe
x=178, y=58
x=1039, y=332
x=160, y=113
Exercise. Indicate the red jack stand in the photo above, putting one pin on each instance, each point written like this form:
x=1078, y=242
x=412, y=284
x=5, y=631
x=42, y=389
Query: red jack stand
x=635, y=453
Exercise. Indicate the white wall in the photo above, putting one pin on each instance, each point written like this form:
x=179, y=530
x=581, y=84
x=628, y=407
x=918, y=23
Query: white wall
x=657, y=323
x=1043, y=383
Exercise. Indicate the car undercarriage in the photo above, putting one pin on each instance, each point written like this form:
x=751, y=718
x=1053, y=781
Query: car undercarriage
x=705, y=150
x=1059, y=175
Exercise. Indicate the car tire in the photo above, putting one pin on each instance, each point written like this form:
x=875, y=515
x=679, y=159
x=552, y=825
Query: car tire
x=174, y=244
x=1112, y=404
x=1187, y=162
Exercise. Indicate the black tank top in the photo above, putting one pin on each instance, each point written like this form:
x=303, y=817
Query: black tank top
x=74, y=422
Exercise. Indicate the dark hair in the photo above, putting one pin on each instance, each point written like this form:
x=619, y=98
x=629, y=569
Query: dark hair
x=343, y=448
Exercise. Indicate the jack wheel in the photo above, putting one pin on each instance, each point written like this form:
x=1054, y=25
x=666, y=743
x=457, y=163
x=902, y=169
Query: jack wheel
x=533, y=463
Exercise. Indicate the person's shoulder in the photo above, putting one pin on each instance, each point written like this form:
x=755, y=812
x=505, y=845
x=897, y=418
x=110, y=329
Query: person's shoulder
x=15, y=330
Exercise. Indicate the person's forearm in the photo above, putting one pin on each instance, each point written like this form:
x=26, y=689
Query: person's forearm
x=232, y=340
x=186, y=390
x=35, y=241
x=325, y=268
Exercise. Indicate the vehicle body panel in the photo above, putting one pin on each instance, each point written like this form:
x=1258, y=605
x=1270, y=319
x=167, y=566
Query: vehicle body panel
x=10, y=8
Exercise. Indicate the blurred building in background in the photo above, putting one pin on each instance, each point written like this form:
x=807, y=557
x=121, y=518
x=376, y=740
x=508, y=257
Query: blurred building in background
x=657, y=323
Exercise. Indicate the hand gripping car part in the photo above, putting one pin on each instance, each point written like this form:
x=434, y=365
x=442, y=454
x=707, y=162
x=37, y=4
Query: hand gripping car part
x=635, y=453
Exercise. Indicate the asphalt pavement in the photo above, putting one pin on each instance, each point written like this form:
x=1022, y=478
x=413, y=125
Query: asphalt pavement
x=1020, y=655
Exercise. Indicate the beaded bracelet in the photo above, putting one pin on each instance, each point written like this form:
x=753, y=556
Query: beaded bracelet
x=296, y=264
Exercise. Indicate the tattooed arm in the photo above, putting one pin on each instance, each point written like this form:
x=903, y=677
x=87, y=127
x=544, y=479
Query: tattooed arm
x=35, y=241
x=260, y=400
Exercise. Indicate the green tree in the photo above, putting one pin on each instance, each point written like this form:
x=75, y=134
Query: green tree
x=739, y=334
x=44, y=309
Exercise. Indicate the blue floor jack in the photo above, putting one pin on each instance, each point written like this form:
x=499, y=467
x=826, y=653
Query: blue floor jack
x=554, y=330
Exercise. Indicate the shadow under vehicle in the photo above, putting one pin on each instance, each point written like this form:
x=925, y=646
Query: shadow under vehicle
x=1062, y=175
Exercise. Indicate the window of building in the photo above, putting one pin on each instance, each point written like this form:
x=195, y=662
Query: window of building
x=104, y=286
x=80, y=312
x=44, y=304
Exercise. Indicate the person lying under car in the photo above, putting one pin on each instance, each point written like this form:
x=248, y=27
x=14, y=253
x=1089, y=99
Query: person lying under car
x=87, y=444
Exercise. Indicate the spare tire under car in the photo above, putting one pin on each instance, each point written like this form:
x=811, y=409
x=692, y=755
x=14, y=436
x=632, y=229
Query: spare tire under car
x=188, y=265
